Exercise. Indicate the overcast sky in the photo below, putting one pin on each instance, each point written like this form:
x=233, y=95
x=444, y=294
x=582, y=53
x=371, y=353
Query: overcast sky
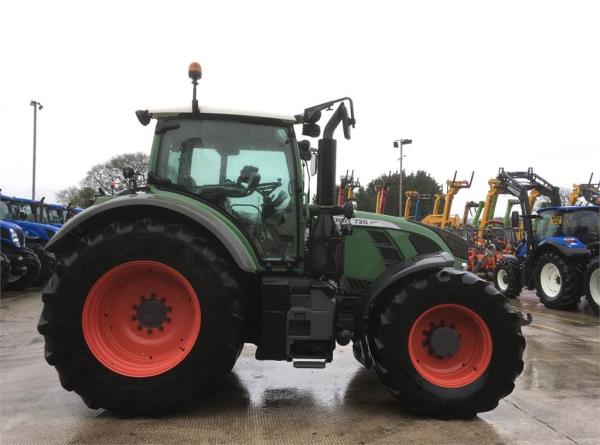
x=477, y=85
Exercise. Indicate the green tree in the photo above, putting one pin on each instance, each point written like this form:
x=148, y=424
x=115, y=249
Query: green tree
x=76, y=196
x=108, y=177
x=421, y=181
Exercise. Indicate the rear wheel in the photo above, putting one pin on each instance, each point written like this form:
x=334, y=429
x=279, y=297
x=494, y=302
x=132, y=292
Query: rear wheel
x=142, y=317
x=447, y=345
x=508, y=278
x=592, y=285
x=558, y=282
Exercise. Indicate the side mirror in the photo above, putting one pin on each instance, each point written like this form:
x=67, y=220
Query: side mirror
x=128, y=172
x=304, y=148
x=314, y=162
x=143, y=116
x=346, y=121
x=349, y=209
x=514, y=220
x=346, y=126
x=311, y=130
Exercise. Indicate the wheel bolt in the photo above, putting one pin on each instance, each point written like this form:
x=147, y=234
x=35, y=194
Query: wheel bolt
x=149, y=331
x=168, y=320
x=135, y=306
x=139, y=327
x=142, y=298
x=160, y=328
x=133, y=318
x=169, y=308
x=152, y=295
x=163, y=299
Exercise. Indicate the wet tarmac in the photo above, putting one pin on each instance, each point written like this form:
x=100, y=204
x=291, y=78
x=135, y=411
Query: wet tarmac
x=557, y=399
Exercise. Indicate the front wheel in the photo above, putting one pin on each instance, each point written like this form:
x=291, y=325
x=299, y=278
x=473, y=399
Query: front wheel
x=142, y=317
x=508, y=278
x=592, y=285
x=447, y=345
x=4, y=270
x=33, y=265
x=558, y=282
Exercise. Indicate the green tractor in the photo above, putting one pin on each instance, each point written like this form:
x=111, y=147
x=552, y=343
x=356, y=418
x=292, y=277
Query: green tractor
x=157, y=290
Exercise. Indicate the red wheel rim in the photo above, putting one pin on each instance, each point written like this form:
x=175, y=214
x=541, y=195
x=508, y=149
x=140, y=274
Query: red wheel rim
x=141, y=318
x=463, y=362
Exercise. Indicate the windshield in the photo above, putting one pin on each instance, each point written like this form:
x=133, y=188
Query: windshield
x=244, y=168
x=581, y=224
x=54, y=215
x=22, y=211
x=4, y=211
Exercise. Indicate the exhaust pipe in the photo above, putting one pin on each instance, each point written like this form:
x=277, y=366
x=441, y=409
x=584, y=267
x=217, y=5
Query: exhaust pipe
x=328, y=156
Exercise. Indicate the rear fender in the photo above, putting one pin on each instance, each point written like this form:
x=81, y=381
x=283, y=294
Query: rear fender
x=138, y=206
x=567, y=246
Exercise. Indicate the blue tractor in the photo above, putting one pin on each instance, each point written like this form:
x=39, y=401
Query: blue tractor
x=27, y=214
x=19, y=265
x=558, y=256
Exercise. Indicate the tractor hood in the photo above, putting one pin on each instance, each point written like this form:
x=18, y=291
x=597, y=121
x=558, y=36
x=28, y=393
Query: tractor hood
x=455, y=244
x=37, y=230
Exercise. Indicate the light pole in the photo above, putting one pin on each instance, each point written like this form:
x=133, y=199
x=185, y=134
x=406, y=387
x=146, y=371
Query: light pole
x=36, y=105
x=400, y=143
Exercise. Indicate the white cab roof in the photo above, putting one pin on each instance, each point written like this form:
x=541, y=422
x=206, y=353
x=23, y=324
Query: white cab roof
x=225, y=111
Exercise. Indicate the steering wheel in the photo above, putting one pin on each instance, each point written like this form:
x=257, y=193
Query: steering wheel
x=268, y=187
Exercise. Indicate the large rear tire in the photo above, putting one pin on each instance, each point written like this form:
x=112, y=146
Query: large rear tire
x=447, y=345
x=558, y=282
x=508, y=278
x=592, y=285
x=142, y=317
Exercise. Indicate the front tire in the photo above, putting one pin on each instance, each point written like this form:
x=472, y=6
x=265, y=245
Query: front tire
x=47, y=262
x=34, y=266
x=592, y=285
x=558, y=282
x=142, y=317
x=508, y=278
x=447, y=345
x=4, y=270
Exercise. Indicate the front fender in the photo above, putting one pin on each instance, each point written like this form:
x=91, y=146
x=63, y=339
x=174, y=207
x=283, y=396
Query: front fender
x=403, y=270
x=163, y=204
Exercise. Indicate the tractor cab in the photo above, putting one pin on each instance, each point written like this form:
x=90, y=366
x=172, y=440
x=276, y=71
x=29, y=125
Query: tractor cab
x=571, y=226
x=242, y=163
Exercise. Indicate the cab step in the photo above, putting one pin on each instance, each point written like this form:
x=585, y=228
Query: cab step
x=304, y=364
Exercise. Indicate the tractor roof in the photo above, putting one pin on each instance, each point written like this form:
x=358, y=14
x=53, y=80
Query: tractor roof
x=161, y=112
x=569, y=208
x=15, y=199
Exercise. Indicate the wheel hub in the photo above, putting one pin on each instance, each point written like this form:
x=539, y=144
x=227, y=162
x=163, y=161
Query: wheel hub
x=152, y=312
x=443, y=341
x=450, y=345
x=141, y=318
